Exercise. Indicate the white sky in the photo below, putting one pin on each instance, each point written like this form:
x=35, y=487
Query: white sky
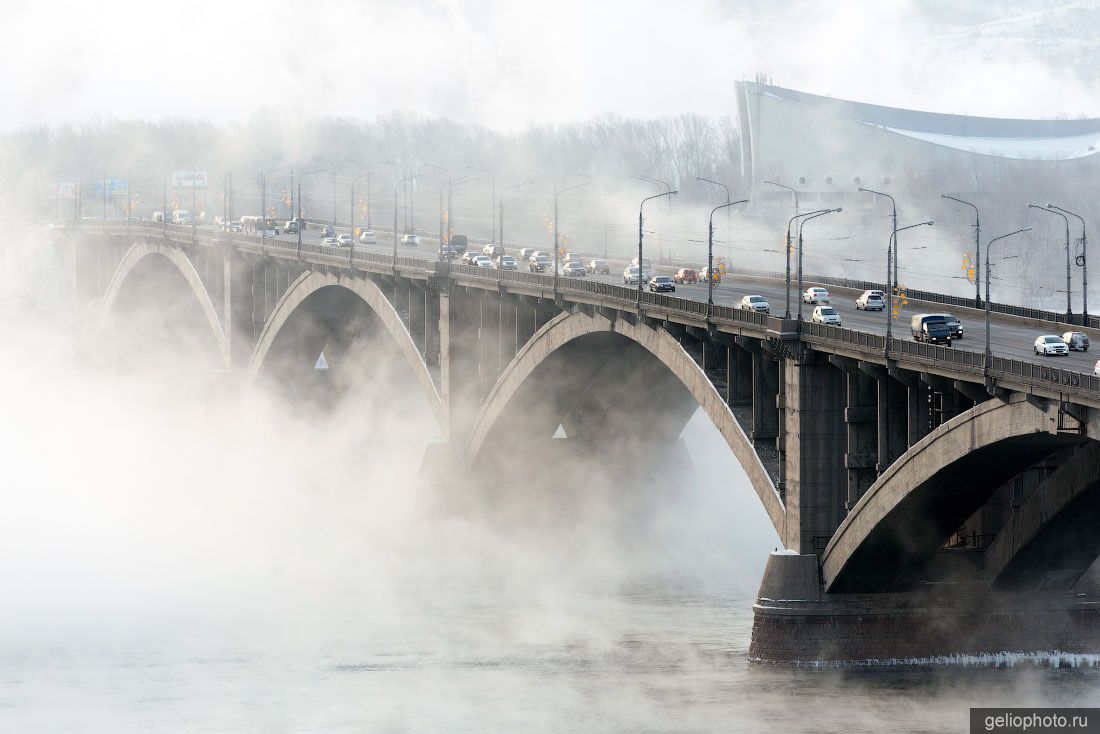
x=494, y=62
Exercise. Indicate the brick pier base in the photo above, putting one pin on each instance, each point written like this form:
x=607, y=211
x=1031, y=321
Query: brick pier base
x=796, y=623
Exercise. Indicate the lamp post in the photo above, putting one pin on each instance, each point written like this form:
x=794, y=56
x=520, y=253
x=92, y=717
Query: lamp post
x=1069, y=306
x=164, y=212
x=790, y=222
x=668, y=231
x=263, y=202
x=641, y=222
x=557, y=193
x=368, y=174
x=893, y=247
x=396, y=186
x=728, y=221
x=492, y=198
x=301, y=222
x=333, y=167
x=449, y=185
x=710, y=252
x=988, y=257
x=603, y=198
x=1083, y=261
x=501, y=218
x=408, y=176
x=977, y=249
x=792, y=189
x=800, y=226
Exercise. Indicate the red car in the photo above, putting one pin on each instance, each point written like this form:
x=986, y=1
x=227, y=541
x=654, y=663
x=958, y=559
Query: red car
x=686, y=275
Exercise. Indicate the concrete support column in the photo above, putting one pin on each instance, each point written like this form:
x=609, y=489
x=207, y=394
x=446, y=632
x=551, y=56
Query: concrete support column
x=459, y=379
x=432, y=320
x=509, y=321
x=816, y=480
x=526, y=320
x=416, y=312
x=920, y=411
x=765, y=388
x=489, y=342
x=861, y=417
x=738, y=375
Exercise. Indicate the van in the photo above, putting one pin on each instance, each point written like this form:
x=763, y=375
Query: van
x=492, y=251
x=458, y=243
x=931, y=328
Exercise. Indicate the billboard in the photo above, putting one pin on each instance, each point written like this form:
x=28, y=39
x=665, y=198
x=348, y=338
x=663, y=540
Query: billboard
x=112, y=185
x=189, y=179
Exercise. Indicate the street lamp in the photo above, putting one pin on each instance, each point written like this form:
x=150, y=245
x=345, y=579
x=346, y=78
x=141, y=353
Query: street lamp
x=263, y=201
x=668, y=231
x=988, y=257
x=492, y=198
x=368, y=174
x=800, y=226
x=557, y=193
x=710, y=252
x=893, y=236
x=407, y=171
x=790, y=222
x=1083, y=261
x=164, y=212
x=516, y=186
x=396, y=186
x=1069, y=307
x=603, y=198
x=641, y=222
x=729, y=255
x=893, y=247
x=333, y=167
x=977, y=249
x=449, y=184
x=792, y=189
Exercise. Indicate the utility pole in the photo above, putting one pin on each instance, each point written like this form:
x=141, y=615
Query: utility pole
x=977, y=249
x=1082, y=262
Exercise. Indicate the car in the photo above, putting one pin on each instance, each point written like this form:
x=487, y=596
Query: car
x=1048, y=344
x=662, y=284
x=447, y=253
x=483, y=261
x=953, y=324
x=291, y=227
x=871, y=300
x=1076, y=341
x=367, y=237
x=470, y=257
x=715, y=275
x=345, y=239
x=645, y=263
x=539, y=262
x=755, y=303
x=328, y=231
x=1096, y=368
x=574, y=269
x=686, y=275
x=507, y=262
x=826, y=315
x=815, y=295
x=410, y=240
x=599, y=267
x=232, y=227
x=526, y=253
x=931, y=328
x=630, y=276
x=492, y=251
x=330, y=242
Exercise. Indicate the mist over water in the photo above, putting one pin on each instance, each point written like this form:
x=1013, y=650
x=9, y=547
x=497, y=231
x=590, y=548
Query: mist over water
x=177, y=554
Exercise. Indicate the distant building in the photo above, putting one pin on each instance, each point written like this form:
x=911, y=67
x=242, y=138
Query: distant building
x=827, y=148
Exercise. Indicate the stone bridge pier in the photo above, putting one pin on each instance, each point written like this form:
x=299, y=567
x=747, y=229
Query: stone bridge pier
x=928, y=505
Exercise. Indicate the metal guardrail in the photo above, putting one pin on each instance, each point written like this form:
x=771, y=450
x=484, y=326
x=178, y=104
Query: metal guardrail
x=872, y=344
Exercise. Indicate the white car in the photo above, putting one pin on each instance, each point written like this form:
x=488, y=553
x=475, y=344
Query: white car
x=483, y=261
x=345, y=240
x=755, y=303
x=367, y=237
x=871, y=301
x=410, y=240
x=1051, y=344
x=507, y=262
x=1096, y=368
x=330, y=242
x=630, y=276
x=815, y=295
x=826, y=315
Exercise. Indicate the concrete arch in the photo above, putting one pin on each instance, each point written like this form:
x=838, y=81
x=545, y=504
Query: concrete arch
x=566, y=327
x=367, y=290
x=174, y=255
x=916, y=504
x=1054, y=536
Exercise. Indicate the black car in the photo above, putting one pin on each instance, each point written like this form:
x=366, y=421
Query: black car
x=447, y=253
x=662, y=284
x=328, y=231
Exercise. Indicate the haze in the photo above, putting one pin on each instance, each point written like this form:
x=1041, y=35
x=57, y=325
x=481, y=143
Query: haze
x=508, y=65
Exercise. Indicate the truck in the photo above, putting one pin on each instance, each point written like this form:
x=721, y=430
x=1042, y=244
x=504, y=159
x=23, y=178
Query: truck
x=931, y=328
x=458, y=243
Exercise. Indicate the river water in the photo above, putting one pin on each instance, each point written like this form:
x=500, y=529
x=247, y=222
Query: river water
x=173, y=562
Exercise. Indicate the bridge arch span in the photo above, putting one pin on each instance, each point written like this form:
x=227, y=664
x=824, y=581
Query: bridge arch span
x=522, y=375
x=924, y=496
x=137, y=255
x=309, y=283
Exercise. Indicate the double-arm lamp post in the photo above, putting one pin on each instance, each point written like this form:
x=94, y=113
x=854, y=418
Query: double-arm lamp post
x=1069, y=304
x=801, y=224
x=977, y=249
x=988, y=257
x=641, y=224
x=710, y=252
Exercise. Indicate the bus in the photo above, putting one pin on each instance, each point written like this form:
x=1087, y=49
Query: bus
x=255, y=224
